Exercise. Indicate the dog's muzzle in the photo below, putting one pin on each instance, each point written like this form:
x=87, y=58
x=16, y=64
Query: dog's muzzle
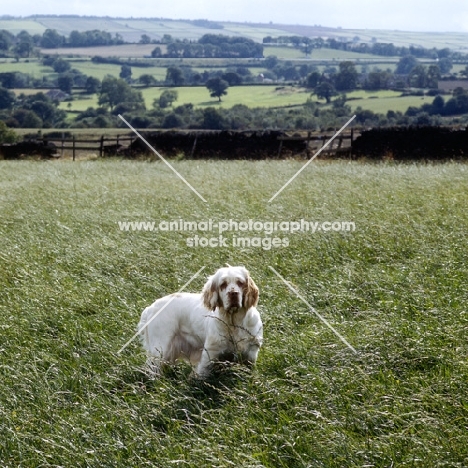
x=234, y=301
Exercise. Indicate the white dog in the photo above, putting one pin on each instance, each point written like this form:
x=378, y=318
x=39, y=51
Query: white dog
x=220, y=323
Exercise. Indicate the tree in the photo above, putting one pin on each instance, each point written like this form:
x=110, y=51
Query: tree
x=347, y=77
x=8, y=80
x=156, y=52
x=212, y=119
x=289, y=73
x=433, y=76
x=24, y=44
x=65, y=83
x=175, y=76
x=7, y=98
x=445, y=64
x=27, y=119
x=175, y=49
x=458, y=104
x=313, y=79
x=418, y=77
x=92, y=85
x=7, y=135
x=378, y=80
x=172, y=121
x=406, y=64
x=325, y=91
x=117, y=91
x=217, y=87
x=38, y=110
x=145, y=39
x=60, y=65
x=125, y=72
x=147, y=79
x=438, y=105
x=271, y=62
x=51, y=39
x=6, y=39
x=168, y=96
x=233, y=79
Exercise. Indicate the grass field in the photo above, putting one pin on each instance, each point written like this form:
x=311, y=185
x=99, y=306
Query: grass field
x=123, y=51
x=252, y=96
x=325, y=54
x=383, y=101
x=31, y=67
x=74, y=285
x=267, y=96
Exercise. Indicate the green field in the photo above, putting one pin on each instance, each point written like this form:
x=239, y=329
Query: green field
x=324, y=54
x=383, y=101
x=266, y=96
x=74, y=285
x=30, y=67
x=252, y=96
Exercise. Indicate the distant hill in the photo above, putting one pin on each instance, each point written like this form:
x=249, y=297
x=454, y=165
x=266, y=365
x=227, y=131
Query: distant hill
x=131, y=29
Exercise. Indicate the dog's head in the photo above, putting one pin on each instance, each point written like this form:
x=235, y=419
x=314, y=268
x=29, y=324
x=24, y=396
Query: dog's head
x=230, y=288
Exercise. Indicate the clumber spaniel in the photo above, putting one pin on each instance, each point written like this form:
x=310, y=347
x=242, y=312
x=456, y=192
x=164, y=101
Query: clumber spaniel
x=221, y=323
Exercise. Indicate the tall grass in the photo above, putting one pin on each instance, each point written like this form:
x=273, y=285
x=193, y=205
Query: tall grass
x=74, y=285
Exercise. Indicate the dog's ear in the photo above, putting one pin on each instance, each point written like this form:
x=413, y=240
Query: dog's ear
x=210, y=294
x=251, y=292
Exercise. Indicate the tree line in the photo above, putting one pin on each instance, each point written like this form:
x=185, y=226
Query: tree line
x=382, y=49
x=23, y=44
x=208, y=46
x=116, y=96
x=212, y=46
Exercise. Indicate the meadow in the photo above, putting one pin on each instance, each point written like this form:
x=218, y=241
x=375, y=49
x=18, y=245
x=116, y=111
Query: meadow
x=74, y=285
x=263, y=96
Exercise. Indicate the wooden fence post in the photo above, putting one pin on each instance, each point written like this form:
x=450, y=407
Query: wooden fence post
x=74, y=147
x=193, y=147
x=101, y=147
x=307, y=151
x=280, y=148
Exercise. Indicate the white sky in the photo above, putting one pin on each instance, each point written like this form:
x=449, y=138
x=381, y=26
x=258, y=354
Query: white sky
x=405, y=15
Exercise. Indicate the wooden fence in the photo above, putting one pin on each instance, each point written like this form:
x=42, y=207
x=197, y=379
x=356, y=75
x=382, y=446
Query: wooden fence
x=314, y=142
x=103, y=145
x=111, y=145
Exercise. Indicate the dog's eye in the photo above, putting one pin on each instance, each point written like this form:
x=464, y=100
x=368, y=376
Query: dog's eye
x=240, y=283
x=223, y=285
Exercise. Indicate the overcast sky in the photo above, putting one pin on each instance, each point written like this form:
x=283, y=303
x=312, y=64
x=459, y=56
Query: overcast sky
x=405, y=15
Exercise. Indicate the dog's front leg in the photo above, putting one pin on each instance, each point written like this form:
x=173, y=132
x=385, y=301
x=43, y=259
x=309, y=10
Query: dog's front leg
x=205, y=365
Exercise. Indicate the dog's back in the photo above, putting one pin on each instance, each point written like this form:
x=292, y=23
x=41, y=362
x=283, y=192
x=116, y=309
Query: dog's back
x=168, y=326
